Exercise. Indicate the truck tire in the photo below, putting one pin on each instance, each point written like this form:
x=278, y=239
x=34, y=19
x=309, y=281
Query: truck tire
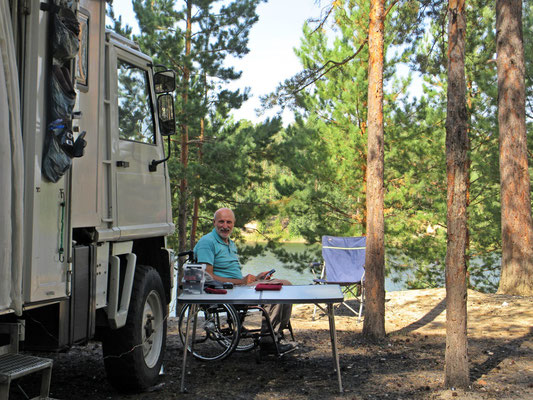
x=133, y=354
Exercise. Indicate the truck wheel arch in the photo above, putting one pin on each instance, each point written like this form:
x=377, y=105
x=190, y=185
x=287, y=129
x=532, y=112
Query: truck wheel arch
x=133, y=354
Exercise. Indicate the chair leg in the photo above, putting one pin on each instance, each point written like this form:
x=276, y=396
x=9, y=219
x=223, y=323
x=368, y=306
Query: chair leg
x=350, y=308
x=289, y=327
x=362, y=299
x=318, y=306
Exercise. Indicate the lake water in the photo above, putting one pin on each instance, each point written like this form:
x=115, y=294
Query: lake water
x=269, y=261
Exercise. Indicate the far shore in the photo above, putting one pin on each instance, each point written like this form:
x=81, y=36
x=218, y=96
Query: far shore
x=299, y=241
x=252, y=238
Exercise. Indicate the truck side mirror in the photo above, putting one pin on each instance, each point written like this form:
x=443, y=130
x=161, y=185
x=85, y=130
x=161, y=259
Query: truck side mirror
x=167, y=124
x=165, y=81
x=167, y=121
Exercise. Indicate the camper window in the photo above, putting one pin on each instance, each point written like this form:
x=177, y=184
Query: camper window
x=135, y=112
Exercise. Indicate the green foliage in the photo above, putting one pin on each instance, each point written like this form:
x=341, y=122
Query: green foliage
x=230, y=172
x=224, y=157
x=308, y=179
x=430, y=58
x=326, y=186
x=325, y=150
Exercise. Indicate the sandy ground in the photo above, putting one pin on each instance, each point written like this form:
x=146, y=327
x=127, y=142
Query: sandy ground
x=408, y=364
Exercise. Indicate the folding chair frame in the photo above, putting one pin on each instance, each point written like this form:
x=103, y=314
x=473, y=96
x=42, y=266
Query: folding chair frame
x=343, y=265
x=346, y=288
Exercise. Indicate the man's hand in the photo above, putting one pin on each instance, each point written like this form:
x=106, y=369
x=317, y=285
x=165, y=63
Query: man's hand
x=265, y=275
x=260, y=276
x=249, y=279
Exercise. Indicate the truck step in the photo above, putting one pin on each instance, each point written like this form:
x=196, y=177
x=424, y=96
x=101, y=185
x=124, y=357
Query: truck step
x=13, y=366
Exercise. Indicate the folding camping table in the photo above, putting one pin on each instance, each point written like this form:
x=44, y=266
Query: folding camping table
x=247, y=295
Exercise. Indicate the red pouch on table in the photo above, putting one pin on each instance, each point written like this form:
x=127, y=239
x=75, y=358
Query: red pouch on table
x=215, y=291
x=268, y=286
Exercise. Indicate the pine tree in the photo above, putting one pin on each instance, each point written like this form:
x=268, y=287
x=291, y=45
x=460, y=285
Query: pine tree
x=457, y=165
x=517, y=225
x=374, y=323
x=195, y=38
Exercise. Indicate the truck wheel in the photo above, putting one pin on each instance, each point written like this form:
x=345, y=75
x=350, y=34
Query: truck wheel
x=134, y=353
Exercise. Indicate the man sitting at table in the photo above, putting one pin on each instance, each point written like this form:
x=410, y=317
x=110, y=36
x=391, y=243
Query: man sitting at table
x=218, y=252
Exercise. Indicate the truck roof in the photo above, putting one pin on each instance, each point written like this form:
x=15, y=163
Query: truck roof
x=125, y=44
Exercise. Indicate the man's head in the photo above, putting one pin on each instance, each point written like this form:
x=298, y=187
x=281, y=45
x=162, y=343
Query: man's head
x=224, y=222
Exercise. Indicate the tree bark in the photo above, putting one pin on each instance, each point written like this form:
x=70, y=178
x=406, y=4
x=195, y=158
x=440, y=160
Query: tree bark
x=196, y=207
x=456, y=368
x=517, y=226
x=374, y=322
x=184, y=156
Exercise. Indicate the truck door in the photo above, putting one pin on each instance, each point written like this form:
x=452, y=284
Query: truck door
x=141, y=195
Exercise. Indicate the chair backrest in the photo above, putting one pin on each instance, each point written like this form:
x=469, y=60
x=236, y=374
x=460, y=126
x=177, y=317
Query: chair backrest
x=344, y=258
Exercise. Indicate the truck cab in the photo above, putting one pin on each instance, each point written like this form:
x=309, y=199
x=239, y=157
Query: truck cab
x=88, y=255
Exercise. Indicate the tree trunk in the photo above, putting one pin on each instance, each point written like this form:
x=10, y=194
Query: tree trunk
x=374, y=323
x=456, y=369
x=184, y=157
x=196, y=208
x=517, y=227
x=194, y=225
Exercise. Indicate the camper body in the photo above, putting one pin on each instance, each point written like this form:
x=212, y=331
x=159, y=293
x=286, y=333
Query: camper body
x=85, y=257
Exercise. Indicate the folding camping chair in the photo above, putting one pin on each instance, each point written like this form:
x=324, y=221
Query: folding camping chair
x=344, y=260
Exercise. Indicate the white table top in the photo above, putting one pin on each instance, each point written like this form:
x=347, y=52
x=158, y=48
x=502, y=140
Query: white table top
x=295, y=294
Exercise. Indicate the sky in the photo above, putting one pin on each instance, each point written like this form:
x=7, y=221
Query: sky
x=271, y=59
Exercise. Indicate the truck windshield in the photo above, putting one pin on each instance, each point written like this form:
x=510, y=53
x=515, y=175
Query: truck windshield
x=135, y=113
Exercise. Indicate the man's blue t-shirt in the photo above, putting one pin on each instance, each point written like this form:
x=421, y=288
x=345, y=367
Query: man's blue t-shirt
x=212, y=249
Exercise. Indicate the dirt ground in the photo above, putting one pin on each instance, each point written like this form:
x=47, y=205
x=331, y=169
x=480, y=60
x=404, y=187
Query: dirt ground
x=408, y=364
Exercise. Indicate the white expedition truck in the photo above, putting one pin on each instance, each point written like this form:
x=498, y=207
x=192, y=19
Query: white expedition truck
x=85, y=196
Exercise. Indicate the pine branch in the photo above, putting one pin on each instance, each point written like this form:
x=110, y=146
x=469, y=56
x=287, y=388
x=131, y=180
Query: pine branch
x=315, y=75
x=324, y=19
x=304, y=79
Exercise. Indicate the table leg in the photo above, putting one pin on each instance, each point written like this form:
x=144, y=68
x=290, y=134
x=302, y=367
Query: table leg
x=333, y=335
x=192, y=312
